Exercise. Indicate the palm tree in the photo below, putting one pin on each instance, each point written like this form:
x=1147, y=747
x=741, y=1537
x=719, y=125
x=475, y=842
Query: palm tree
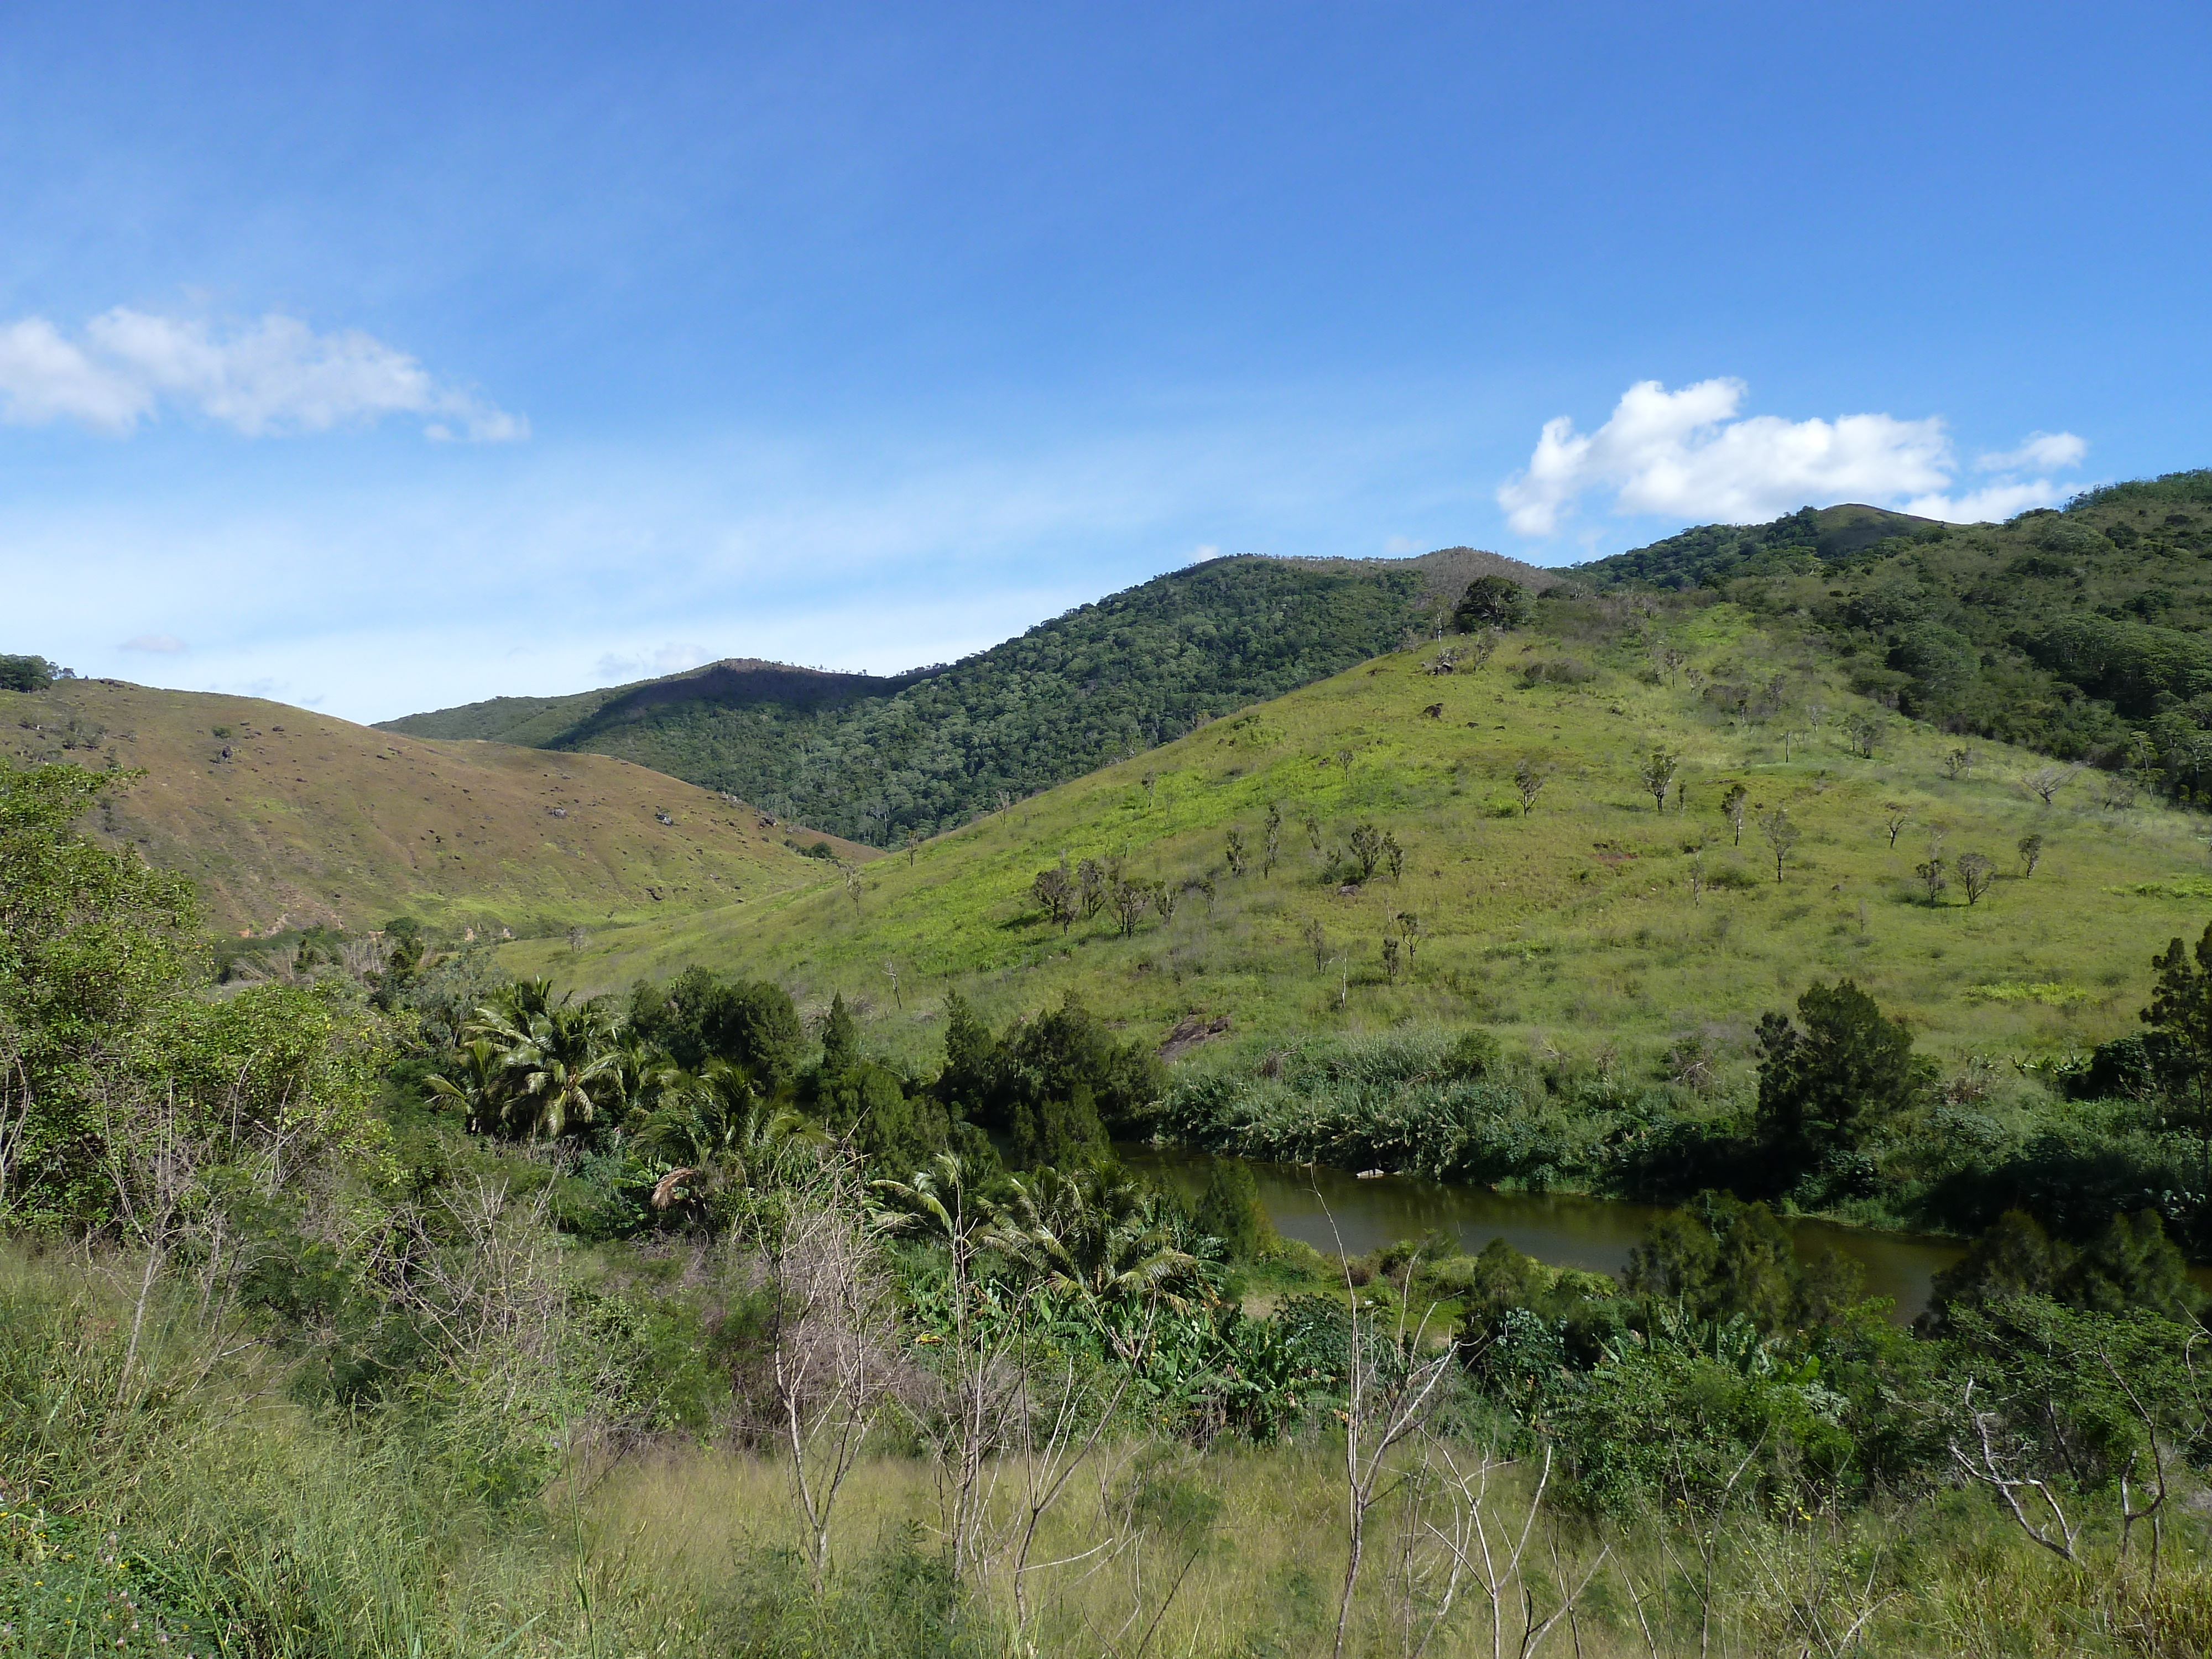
x=561, y=1061
x=1098, y=1239
x=643, y=1074
x=716, y=1130
x=482, y=1077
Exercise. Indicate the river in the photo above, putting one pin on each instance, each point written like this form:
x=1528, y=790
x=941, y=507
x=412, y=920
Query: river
x=1324, y=1206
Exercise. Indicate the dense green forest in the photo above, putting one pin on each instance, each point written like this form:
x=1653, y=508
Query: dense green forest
x=2081, y=632
x=387, y=1305
x=877, y=760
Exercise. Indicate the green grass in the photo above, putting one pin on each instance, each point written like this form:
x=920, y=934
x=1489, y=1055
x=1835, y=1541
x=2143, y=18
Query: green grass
x=1571, y=928
x=205, y=1509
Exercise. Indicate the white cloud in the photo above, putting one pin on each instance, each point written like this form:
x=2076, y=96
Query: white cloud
x=166, y=644
x=1684, y=453
x=670, y=658
x=276, y=375
x=1202, y=552
x=1996, y=502
x=45, y=377
x=2047, y=451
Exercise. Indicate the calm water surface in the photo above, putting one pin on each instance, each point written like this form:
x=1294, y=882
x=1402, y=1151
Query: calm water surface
x=1323, y=1207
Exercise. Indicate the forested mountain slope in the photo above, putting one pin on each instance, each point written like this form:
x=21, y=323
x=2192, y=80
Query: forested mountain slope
x=2081, y=633
x=876, y=759
x=286, y=819
x=1535, y=885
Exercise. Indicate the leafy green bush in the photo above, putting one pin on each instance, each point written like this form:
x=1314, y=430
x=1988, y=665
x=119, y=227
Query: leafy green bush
x=25, y=673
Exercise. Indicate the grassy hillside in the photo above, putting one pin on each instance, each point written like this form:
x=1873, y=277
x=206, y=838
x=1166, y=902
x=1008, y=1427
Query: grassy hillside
x=1575, y=927
x=2083, y=633
x=286, y=818
x=876, y=758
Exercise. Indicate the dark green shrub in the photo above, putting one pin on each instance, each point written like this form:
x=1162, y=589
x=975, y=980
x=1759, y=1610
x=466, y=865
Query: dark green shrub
x=1473, y=1054
x=1491, y=602
x=1820, y=1085
x=1228, y=1210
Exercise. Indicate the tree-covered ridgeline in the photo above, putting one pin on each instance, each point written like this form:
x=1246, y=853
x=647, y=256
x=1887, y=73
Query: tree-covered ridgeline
x=2081, y=632
x=877, y=761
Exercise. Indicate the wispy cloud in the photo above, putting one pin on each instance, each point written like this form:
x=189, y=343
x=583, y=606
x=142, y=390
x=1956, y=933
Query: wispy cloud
x=273, y=376
x=167, y=645
x=670, y=658
x=2009, y=492
x=1688, y=455
x=2043, y=451
x=1989, y=504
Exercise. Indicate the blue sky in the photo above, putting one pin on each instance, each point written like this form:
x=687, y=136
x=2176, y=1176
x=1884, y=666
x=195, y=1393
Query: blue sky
x=382, y=358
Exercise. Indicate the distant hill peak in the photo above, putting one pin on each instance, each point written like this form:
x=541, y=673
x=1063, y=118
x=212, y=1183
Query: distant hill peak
x=1705, y=554
x=1446, y=572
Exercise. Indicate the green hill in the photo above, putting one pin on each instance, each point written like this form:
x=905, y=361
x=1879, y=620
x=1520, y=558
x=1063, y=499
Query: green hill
x=876, y=758
x=288, y=819
x=2081, y=633
x=1594, y=928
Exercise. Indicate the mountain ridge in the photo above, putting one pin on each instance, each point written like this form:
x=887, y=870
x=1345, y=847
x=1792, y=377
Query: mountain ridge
x=878, y=757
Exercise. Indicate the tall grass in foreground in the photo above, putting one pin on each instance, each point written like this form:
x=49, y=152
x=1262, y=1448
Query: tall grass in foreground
x=194, y=1507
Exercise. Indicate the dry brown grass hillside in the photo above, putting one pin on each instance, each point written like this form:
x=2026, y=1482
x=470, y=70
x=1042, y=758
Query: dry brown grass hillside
x=288, y=818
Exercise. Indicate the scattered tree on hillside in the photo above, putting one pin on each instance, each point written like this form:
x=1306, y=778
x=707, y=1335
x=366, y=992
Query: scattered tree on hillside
x=2031, y=852
x=1234, y=846
x=1671, y=659
x=1391, y=946
x=1344, y=763
x=1529, y=777
x=1317, y=939
x=1484, y=643
x=1959, y=762
x=1976, y=872
x=1894, y=817
x=1409, y=929
x=1657, y=771
x=1056, y=891
x=1151, y=780
x=1274, y=839
x=1864, y=732
x=1394, y=856
x=913, y=847
x=1166, y=895
x=2045, y=781
x=1491, y=602
x=1366, y=849
x=1932, y=878
x=1781, y=836
x=1129, y=901
x=1734, y=804
x=1092, y=885
x=1310, y=822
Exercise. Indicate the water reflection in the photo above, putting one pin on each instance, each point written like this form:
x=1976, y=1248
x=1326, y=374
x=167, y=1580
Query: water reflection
x=1323, y=1206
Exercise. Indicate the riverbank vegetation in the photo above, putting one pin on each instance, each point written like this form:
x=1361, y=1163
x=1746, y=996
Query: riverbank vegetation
x=396, y=1307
